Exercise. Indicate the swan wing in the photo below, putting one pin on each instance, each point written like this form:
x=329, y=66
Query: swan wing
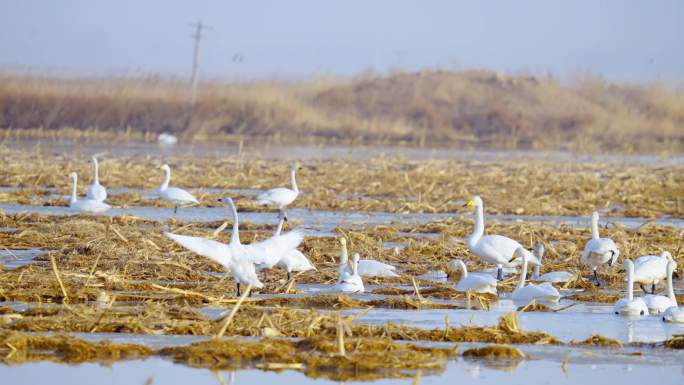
x=277, y=196
x=216, y=251
x=496, y=247
x=372, y=268
x=269, y=251
x=178, y=195
x=96, y=192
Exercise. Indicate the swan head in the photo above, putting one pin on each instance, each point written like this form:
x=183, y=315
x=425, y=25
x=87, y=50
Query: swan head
x=282, y=215
x=595, y=216
x=228, y=201
x=627, y=264
x=356, y=257
x=539, y=251
x=475, y=202
x=73, y=176
x=295, y=166
x=343, y=241
x=671, y=267
x=452, y=266
x=666, y=255
x=166, y=168
x=521, y=253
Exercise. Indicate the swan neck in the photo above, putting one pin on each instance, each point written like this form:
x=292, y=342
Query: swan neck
x=74, y=183
x=670, y=288
x=536, y=272
x=523, y=273
x=344, y=257
x=279, y=229
x=464, y=269
x=478, y=230
x=630, y=282
x=96, y=178
x=355, y=267
x=293, y=179
x=167, y=179
x=235, y=234
x=594, y=227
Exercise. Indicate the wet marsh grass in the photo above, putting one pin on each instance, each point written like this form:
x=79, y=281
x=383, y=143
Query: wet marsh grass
x=120, y=275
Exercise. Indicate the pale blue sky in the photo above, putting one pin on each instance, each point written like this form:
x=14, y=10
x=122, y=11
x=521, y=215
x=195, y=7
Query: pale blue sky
x=619, y=39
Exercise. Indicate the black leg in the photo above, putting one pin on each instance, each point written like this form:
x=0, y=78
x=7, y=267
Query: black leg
x=596, y=279
x=653, y=288
x=238, y=288
x=175, y=209
x=643, y=288
x=499, y=273
x=289, y=276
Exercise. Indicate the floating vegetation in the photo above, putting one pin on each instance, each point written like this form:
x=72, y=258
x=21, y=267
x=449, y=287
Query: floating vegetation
x=18, y=347
x=319, y=357
x=676, y=342
x=494, y=351
x=598, y=340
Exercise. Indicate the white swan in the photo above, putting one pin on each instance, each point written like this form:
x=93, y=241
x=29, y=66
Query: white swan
x=281, y=196
x=293, y=260
x=367, y=267
x=479, y=283
x=651, y=269
x=542, y=292
x=166, y=139
x=674, y=313
x=553, y=276
x=96, y=191
x=84, y=205
x=659, y=303
x=629, y=305
x=238, y=258
x=495, y=249
x=599, y=251
x=350, y=281
x=175, y=195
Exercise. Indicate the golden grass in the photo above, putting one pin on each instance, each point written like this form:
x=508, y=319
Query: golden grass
x=470, y=108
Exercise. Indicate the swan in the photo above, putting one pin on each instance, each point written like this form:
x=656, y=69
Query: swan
x=673, y=313
x=479, y=283
x=166, y=139
x=84, y=205
x=293, y=260
x=659, y=303
x=238, y=258
x=367, y=267
x=175, y=195
x=281, y=196
x=542, y=292
x=651, y=269
x=495, y=249
x=553, y=276
x=350, y=281
x=629, y=305
x=96, y=191
x=599, y=251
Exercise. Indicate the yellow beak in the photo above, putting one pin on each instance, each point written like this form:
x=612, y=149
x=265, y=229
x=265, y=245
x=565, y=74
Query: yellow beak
x=512, y=259
x=469, y=203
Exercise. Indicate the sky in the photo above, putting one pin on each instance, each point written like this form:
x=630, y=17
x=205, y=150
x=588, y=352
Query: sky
x=626, y=40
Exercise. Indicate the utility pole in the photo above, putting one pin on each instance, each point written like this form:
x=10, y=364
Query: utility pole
x=199, y=27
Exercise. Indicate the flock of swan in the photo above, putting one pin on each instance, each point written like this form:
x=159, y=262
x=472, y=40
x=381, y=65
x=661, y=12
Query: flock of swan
x=280, y=250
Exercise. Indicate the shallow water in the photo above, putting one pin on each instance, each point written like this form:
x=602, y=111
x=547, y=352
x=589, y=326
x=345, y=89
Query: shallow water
x=259, y=149
x=12, y=258
x=532, y=372
x=326, y=221
x=576, y=324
